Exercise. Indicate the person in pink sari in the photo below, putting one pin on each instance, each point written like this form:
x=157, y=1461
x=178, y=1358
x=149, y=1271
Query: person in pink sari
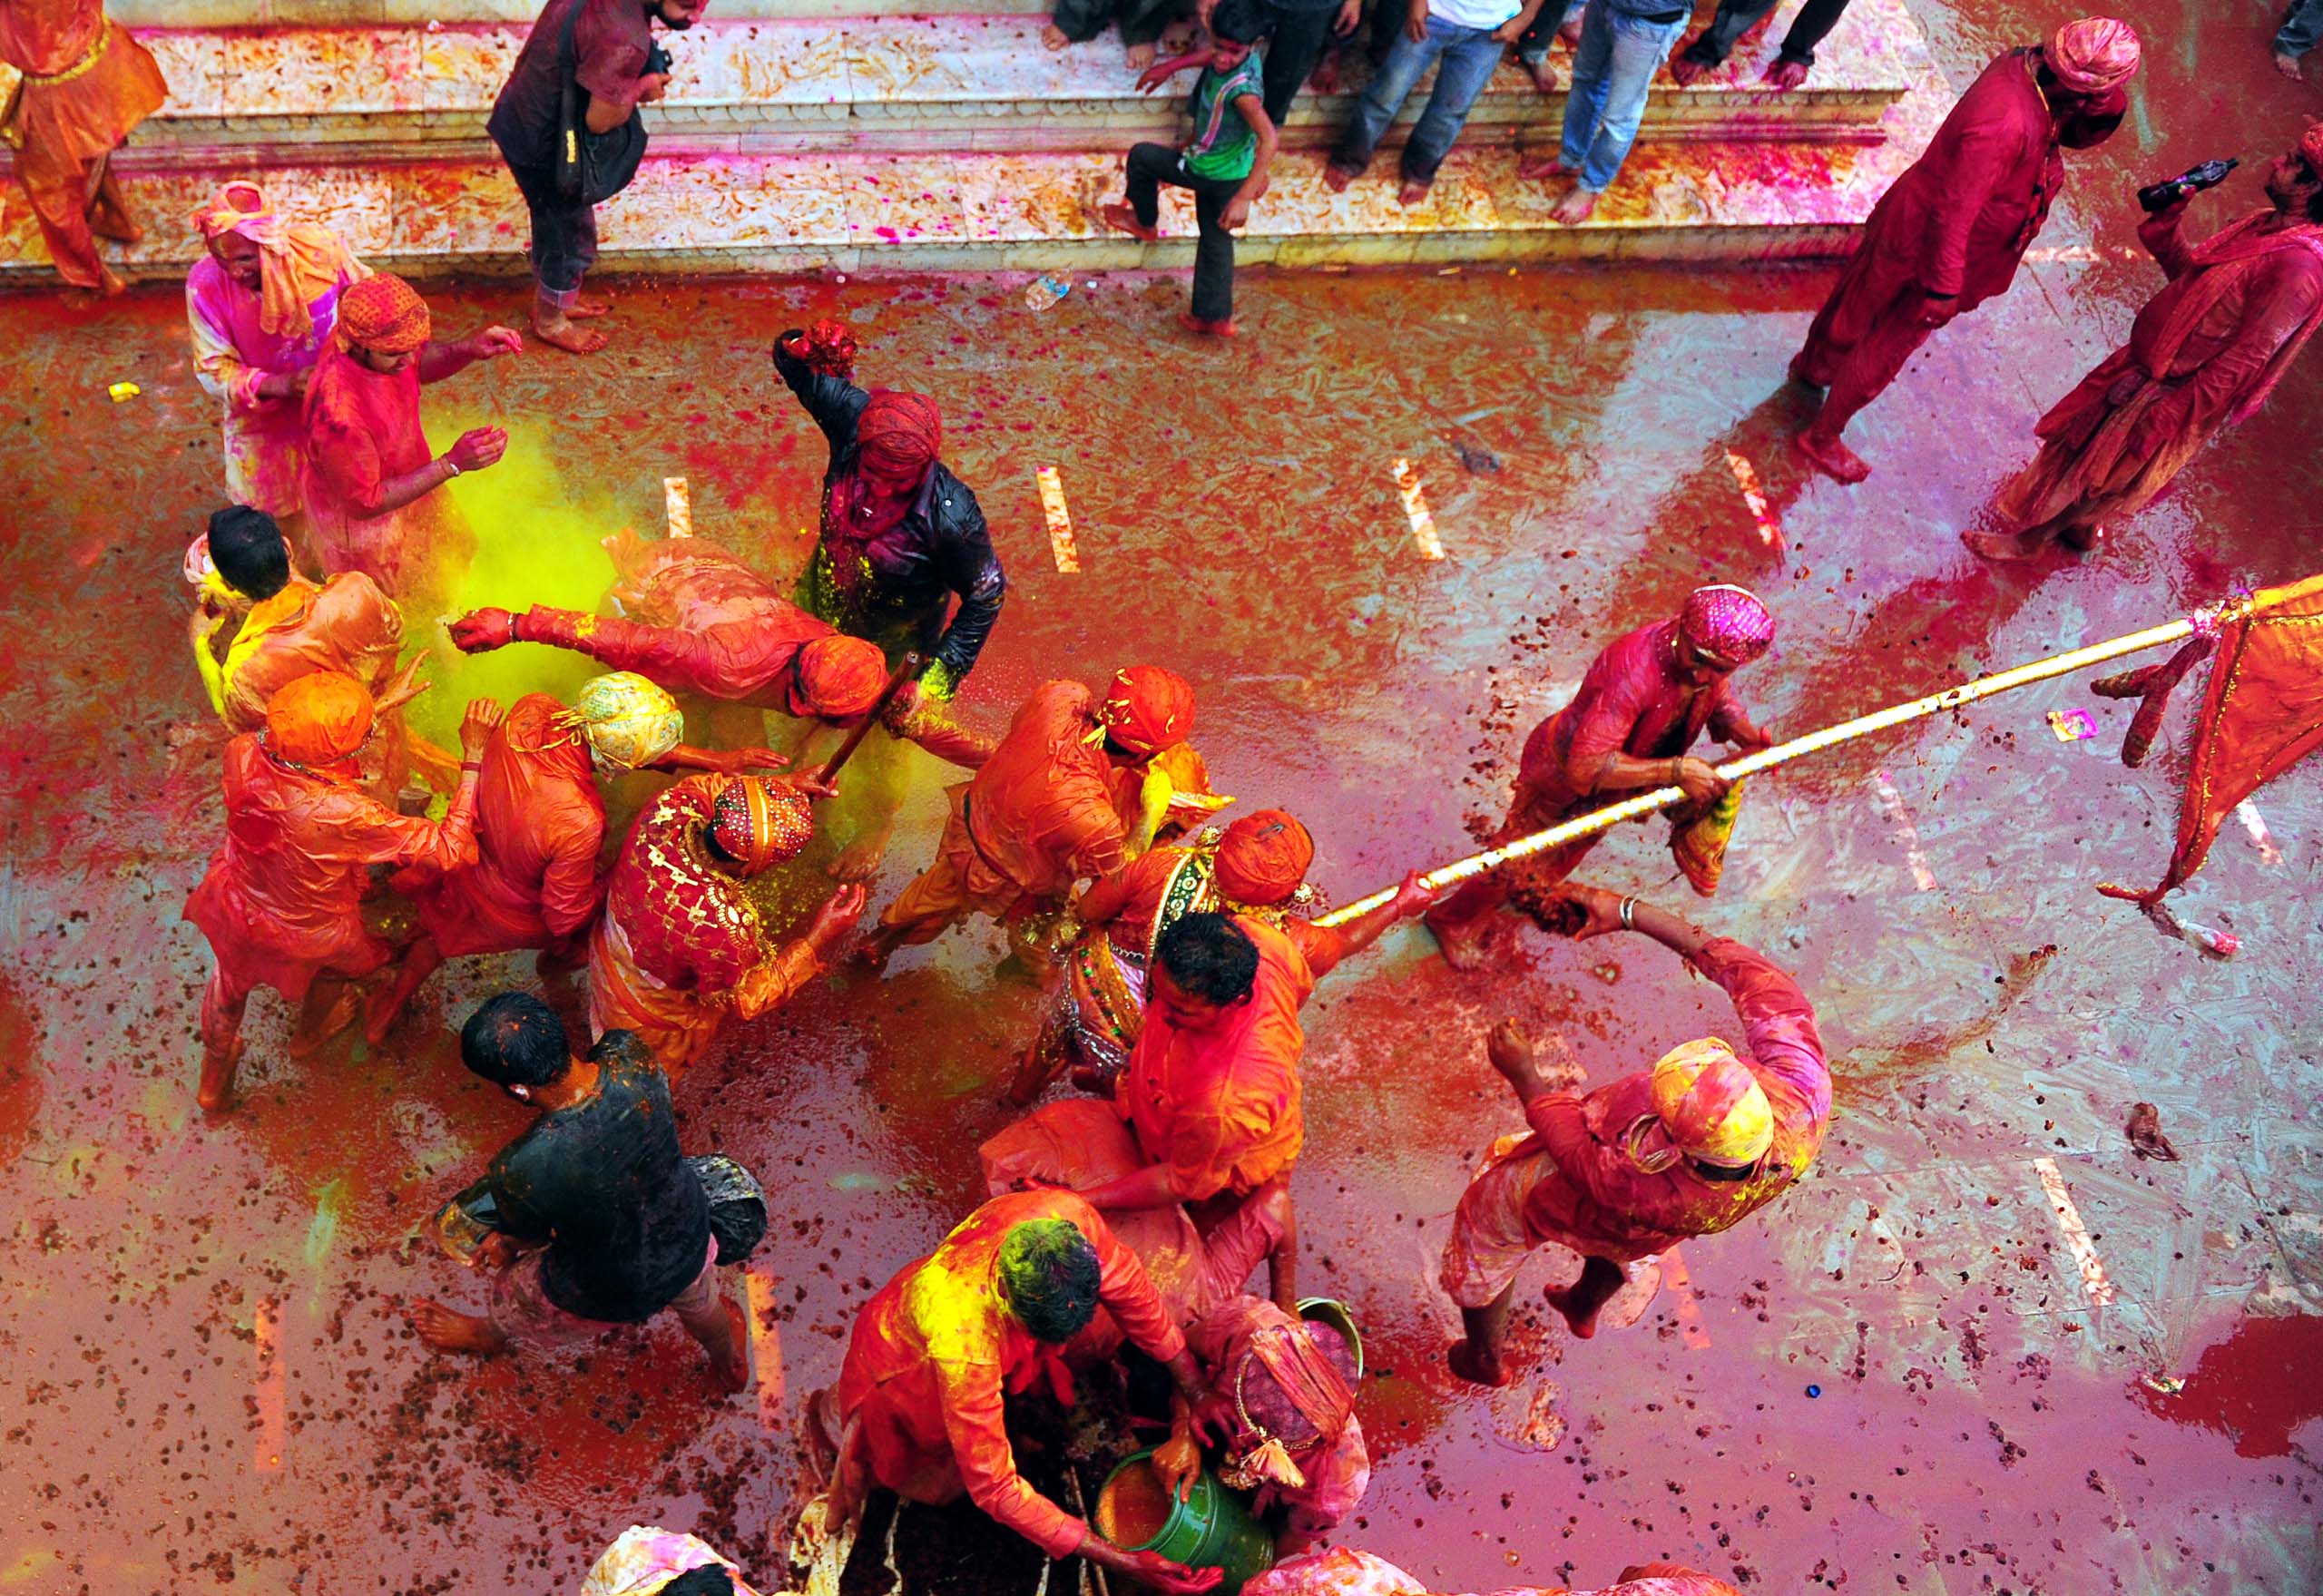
x=373, y=486
x=260, y=307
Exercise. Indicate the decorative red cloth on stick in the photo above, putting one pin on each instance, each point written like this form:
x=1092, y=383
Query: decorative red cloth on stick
x=2262, y=715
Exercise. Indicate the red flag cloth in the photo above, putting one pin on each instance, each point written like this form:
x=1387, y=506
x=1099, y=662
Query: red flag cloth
x=2262, y=715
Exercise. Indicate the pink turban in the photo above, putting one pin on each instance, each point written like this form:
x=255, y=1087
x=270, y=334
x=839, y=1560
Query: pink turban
x=298, y=262
x=2093, y=54
x=1729, y=621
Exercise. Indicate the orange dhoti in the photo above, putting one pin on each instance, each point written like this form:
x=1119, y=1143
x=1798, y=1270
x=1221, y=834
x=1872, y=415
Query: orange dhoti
x=86, y=83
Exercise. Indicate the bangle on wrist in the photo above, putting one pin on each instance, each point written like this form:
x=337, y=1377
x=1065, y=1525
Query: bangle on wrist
x=1629, y=909
x=472, y=764
x=451, y=467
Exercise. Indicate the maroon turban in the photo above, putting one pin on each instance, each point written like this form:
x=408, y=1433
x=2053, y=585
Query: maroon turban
x=899, y=434
x=760, y=822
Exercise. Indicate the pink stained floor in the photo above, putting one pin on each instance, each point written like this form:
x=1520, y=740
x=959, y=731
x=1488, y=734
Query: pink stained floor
x=1981, y=1424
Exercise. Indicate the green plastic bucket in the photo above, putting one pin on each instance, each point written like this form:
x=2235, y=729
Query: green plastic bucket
x=1212, y=1528
x=1330, y=1310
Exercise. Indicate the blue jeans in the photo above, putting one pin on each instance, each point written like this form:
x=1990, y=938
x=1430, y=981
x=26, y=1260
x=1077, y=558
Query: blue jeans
x=1611, y=71
x=2301, y=28
x=1465, y=59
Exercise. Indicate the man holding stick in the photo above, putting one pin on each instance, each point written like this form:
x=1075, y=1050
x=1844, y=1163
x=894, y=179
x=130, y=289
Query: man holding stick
x=1685, y=1149
x=1642, y=703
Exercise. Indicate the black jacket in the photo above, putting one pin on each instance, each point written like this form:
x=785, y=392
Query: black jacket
x=942, y=547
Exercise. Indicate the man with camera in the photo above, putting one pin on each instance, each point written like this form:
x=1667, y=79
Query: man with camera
x=567, y=124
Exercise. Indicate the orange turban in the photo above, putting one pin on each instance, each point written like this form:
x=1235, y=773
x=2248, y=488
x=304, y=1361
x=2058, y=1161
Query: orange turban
x=298, y=262
x=317, y=721
x=2093, y=54
x=761, y=823
x=1263, y=857
x=384, y=314
x=1711, y=1105
x=1146, y=709
x=839, y=677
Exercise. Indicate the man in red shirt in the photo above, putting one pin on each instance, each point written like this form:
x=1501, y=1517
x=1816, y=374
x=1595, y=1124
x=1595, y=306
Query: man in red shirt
x=617, y=67
x=281, y=900
x=1949, y=234
x=1641, y=704
x=1685, y=1149
x=540, y=827
x=988, y=1313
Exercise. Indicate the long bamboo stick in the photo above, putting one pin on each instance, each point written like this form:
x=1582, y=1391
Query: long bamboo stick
x=1663, y=797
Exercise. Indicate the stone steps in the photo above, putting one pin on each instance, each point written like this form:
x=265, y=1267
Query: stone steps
x=870, y=82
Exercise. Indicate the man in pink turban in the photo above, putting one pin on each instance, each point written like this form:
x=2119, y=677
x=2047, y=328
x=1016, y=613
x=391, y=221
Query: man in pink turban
x=1949, y=234
x=2203, y=354
x=261, y=307
x=1686, y=1148
x=1641, y=704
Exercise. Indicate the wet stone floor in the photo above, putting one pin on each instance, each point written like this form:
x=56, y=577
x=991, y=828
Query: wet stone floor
x=1900, y=1378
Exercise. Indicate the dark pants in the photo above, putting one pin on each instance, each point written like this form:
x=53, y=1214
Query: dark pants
x=2301, y=28
x=1151, y=166
x=1736, y=17
x=564, y=235
x=1295, y=42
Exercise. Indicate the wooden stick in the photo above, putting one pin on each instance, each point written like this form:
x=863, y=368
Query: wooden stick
x=1664, y=797
x=905, y=669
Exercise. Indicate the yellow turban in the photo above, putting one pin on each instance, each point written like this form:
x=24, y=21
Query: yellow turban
x=629, y=721
x=1712, y=1105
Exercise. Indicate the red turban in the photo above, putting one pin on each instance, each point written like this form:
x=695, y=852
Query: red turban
x=899, y=434
x=1731, y=623
x=760, y=822
x=318, y=721
x=2310, y=147
x=1263, y=857
x=1146, y=709
x=385, y=314
x=840, y=677
x=2093, y=54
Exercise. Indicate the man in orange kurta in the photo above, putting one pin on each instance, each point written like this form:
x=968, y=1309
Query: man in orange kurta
x=282, y=901
x=373, y=488
x=1045, y=810
x=988, y=1314
x=2203, y=354
x=86, y=83
x=1947, y=235
x=682, y=947
x=540, y=826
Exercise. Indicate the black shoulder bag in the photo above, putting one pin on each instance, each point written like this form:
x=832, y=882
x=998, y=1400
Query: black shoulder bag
x=591, y=168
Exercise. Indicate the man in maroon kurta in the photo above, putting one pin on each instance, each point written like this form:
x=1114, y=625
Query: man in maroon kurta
x=1642, y=703
x=2203, y=354
x=1949, y=234
x=1685, y=1149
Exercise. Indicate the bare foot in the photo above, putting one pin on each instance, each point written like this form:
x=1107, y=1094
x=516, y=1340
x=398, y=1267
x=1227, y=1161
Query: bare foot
x=309, y=1038
x=858, y=861
x=1536, y=169
x=1684, y=70
x=108, y=224
x=1325, y=78
x=1544, y=79
x=1052, y=37
x=1574, y=209
x=2087, y=540
x=872, y=957
x=1570, y=32
x=1580, y=1302
x=732, y=1370
x=450, y=1330
x=2288, y=64
x=586, y=310
x=562, y=335
x=1477, y=1366
x=1118, y=216
x=1336, y=177
x=1798, y=374
x=2009, y=547
x=1829, y=457
x=1213, y=329
x=1138, y=57
x=381, y=1012
x=1178, y=37
x=1784, y=74
x=216, y=1092
x=1412, y=193
x=1462, y=952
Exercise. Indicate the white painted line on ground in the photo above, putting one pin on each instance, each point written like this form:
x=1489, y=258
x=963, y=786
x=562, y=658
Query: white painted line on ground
x=677, y=506
x=1416, y=511
x=1747, y=479
x=2255, y=824
x=765, y=1348
x=273, y=1404
x=1060, y=519
x=1691, y=1328
x=2084, y=1251
x=1900, y=818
